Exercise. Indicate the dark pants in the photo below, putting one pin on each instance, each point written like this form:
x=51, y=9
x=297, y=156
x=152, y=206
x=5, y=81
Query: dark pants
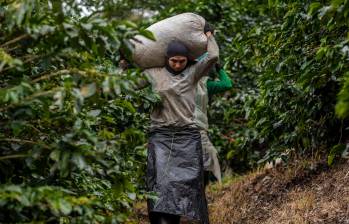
x=175, y=174
x=163, y=218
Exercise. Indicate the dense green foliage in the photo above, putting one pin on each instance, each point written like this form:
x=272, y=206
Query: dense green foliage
x=73, y=133
x=71, y=138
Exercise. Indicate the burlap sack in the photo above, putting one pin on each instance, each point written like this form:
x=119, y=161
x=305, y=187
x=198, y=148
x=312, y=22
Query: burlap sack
x=186, y=27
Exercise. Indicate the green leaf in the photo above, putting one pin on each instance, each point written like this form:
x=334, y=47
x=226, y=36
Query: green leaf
x=230, y=154
x=321, y=53
x=132, y=196
x=314, y=7
x=64, y=163
x=148, y=34
x=130, y=24
x=88, y=90
x=335, y=151
x=79, y=161
x=94, y=113
x=24, y=200
x=18, y=127
x=55, y=155
x=65, y=207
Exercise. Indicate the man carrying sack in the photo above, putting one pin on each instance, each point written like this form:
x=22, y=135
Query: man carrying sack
x=175, y=169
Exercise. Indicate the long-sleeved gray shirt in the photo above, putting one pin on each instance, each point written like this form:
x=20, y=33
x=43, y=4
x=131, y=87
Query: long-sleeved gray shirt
x=178, y=92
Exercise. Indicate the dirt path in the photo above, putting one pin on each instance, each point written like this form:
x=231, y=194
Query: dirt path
x=300, y=194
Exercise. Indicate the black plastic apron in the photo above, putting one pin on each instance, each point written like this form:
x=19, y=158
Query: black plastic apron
x=175, y=173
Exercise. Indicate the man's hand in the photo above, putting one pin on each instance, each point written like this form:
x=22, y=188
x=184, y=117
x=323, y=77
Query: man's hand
x=208, y=34
x=123, y=64
x=209, y=27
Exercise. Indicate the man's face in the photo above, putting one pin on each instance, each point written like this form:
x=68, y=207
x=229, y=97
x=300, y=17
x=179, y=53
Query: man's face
x=178, y=63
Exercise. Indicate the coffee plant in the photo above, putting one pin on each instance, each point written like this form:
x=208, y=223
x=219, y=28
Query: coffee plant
x=72, y=129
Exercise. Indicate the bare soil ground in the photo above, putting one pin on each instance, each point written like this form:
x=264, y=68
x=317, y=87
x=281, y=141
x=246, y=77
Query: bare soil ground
x=307, y=192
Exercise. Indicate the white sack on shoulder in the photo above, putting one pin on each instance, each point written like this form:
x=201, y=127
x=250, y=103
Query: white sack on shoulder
x=186, y=27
